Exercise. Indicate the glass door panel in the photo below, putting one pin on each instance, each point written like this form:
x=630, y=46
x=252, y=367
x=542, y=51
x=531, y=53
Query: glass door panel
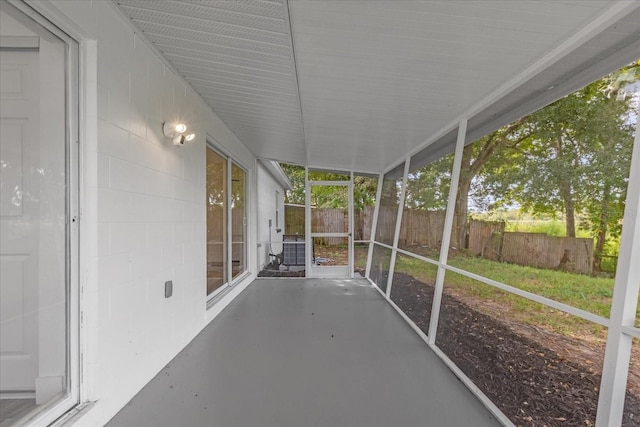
x=238, y=220
x=216, y=221
x=38, y=277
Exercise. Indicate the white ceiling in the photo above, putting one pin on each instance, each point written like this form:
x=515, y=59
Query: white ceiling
x=360, y=85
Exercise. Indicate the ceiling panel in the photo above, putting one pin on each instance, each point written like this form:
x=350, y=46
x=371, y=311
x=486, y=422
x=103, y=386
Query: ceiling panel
x=238, y=56
x=387, y=76
x=360, y=85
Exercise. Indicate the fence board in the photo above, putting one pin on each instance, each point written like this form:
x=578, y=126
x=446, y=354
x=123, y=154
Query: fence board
x=485, y=238
x=421, y=228
x=325, y=220
x=542, y=251
x=424, y=228
x=294, y=219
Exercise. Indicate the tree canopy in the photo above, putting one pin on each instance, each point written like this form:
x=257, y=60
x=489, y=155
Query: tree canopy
x=364, y=189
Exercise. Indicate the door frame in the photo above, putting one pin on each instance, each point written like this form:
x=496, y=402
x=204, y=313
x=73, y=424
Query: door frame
x=313, y=271
x=48, y=19
x=231, y=281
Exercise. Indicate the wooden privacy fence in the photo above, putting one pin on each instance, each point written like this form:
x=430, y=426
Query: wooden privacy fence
x=324, y=220
x=294, y=219
x=485, y=238
x=573, y=254
x=419, y=227
x=424, y=228
x=489, y=240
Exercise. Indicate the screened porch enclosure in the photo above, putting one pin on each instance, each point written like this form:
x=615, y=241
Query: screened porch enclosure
x=496, y=304
x=531, y=354
x=320, y=213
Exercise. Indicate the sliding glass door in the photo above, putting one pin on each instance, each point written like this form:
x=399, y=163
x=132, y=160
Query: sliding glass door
x=226, y=222
x=238, y=220
x=216, y=221
x=38, y=219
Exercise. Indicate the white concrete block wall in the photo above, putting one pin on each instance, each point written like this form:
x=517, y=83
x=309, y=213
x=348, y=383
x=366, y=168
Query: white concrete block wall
x=150, y=215
x=267, y=185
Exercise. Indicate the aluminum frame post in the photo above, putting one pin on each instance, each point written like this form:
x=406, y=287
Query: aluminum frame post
x=396, y=235
x=446, y=233
x=374, y=226
x=617, y=354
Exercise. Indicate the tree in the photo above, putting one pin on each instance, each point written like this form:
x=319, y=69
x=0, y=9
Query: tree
x=428, y=187
x=364, y=191
x=295, y=174
x=487, y=154
x=576, y=160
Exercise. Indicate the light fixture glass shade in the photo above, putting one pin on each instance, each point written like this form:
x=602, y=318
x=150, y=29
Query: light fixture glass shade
x=170, y=130
x=176, y=132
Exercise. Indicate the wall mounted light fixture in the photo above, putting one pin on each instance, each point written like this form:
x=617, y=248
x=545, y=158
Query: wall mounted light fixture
x=177, y=132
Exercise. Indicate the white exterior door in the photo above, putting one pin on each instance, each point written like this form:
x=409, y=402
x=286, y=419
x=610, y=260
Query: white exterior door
x=20, y=215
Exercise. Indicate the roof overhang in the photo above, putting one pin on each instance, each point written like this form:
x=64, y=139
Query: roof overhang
x=277, y=173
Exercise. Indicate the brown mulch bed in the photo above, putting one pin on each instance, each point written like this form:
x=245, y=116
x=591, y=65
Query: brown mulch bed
x=530, y=383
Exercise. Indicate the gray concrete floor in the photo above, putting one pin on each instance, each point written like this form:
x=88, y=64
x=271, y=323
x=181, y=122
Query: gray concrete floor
x=306, y=352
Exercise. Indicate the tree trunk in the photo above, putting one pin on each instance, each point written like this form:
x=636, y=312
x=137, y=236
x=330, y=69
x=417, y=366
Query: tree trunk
x=569, y=209
x=461, y=220
x=471, y=165
x=459, y=237
x=601, y=232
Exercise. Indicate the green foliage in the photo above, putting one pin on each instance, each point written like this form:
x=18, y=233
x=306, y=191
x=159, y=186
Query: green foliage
x=390, y=192
x=428, y=187
x=364, y=189
x=553, y=227
x=575, y=147
x=295, y=174
x=216, y=181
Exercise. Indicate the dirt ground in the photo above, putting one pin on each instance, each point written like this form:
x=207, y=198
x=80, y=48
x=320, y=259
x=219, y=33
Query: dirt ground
x=535, y=377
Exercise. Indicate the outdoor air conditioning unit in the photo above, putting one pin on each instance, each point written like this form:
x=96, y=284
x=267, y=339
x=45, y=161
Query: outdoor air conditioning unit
x=293, y=247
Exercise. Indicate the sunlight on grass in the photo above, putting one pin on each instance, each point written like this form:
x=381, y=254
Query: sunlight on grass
x=552, y=227
x=592, y=294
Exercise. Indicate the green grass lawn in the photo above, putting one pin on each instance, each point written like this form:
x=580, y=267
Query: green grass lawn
x=592, y=294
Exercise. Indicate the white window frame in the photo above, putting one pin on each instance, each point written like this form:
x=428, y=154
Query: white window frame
x=242, y=274
x=231, y=281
